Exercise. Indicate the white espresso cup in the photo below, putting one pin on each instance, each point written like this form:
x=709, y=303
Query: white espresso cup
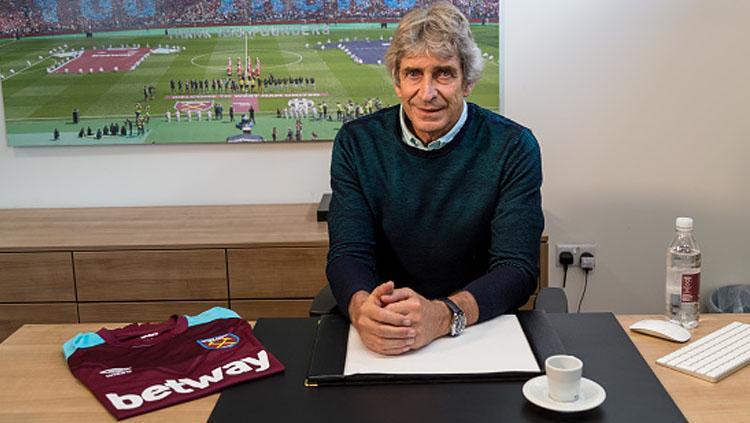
x=564, y=377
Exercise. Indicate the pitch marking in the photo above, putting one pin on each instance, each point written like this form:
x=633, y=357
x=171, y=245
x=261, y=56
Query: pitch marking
x=26, y=68
x=230, y=52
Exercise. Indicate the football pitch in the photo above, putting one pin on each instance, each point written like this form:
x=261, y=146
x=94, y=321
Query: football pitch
x=37, y=102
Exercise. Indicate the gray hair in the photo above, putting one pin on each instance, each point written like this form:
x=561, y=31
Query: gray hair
x=440, y=30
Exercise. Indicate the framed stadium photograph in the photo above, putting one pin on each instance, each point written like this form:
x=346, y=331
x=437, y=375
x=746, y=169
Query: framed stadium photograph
x=104, y=72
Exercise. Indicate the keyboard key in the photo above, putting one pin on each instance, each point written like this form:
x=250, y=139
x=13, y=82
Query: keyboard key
x=714, y=356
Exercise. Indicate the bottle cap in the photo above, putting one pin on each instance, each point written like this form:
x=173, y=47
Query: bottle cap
x=684, y=223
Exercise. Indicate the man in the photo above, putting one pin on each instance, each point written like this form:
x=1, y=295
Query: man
x=141, y=127
x=436, y=213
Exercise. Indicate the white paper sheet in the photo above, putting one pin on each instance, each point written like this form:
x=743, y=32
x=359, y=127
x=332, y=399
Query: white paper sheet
x=497, y=345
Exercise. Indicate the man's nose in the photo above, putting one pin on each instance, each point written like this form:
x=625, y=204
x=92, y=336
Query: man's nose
x=428, y=90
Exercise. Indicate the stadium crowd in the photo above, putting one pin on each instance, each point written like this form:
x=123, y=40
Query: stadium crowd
x=28, y=17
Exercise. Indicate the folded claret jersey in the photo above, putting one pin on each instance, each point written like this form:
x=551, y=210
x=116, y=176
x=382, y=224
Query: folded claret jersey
x=144, y=367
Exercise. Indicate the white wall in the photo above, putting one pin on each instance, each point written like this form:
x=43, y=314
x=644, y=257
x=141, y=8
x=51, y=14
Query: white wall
x=642, y=112
x=639, y=107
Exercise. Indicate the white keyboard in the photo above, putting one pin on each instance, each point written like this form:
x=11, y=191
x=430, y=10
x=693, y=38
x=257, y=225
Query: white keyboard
x=715, y=356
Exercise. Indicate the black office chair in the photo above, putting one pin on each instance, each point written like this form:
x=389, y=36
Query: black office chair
x=323, y=303
x=551, y=300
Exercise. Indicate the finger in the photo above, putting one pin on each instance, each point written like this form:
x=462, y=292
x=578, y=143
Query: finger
x=388, y=317
x=404, y=308
x=394, y=332
x=391, y=344
x=382, y=289
x=397, y=295
x=396, y=351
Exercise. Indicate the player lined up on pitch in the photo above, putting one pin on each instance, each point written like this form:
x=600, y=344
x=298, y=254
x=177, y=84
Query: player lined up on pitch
x=305, y=108
x=212, y=113
x=114, y=129
x=256, y=85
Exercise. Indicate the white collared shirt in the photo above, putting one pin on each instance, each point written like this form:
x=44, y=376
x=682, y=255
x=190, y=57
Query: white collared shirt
x=411, y=140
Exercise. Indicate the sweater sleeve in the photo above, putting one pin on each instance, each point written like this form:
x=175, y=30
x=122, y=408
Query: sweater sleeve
x=351, y=255
x=516, y=226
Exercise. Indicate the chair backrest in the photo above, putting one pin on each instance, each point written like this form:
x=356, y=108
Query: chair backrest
x=551, y=300
x=324, y=303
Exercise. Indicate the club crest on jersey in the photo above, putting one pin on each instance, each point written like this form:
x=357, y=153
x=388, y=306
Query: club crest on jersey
x=221, y=342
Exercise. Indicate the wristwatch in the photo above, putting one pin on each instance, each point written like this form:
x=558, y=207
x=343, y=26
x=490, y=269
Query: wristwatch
x=458, y=321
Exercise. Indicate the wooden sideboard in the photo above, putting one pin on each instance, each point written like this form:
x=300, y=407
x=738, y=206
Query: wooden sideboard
x=146, y=263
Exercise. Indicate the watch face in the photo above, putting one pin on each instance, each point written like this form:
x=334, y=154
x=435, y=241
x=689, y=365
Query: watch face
x=458, y=324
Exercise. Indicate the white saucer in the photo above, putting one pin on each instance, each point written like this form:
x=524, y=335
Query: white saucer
x=591, y=396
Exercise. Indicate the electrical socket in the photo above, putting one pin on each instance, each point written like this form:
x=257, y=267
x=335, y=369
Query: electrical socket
x=576, y=250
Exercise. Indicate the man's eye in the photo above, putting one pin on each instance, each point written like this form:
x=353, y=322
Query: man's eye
x=412, y=74
x=445, y=74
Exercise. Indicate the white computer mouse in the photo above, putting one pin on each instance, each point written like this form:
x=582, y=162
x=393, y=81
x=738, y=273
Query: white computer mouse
x=662, y=329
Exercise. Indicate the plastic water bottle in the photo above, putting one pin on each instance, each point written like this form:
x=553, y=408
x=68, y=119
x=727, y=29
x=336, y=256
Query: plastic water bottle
x=683, y=275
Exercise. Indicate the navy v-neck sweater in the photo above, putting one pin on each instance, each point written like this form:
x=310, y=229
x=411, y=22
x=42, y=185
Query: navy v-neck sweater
x=465, y=217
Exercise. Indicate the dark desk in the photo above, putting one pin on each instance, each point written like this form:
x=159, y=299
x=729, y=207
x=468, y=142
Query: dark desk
x=634, y=394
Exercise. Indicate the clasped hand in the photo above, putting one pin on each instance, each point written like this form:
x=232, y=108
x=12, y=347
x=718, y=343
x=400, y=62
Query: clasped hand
x=393, y=321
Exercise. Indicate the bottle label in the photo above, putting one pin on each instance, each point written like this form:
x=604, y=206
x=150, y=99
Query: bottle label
x=691, y=287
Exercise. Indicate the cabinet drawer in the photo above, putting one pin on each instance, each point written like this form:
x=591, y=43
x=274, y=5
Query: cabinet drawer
x=151, y=275
x=254, y=309
x=277, y=272
x=32, y=277
x=142, y=312
x=13, y=316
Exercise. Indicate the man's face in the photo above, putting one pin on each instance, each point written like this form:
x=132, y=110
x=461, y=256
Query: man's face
x=432, y=91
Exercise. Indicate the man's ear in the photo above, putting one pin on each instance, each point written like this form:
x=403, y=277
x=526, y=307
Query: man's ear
x=467, y=88
x=397, y=88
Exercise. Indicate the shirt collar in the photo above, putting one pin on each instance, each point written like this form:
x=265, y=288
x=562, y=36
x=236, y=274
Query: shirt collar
x=411, y=140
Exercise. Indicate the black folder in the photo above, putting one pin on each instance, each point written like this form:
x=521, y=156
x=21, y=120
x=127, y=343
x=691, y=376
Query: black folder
x=329, y=355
